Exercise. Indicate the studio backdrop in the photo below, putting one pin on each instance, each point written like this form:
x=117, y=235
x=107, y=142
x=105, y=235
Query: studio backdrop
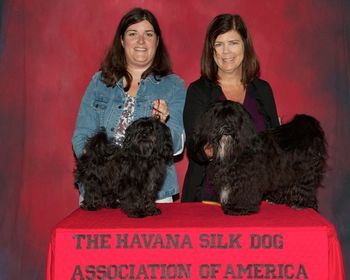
x=49, y=51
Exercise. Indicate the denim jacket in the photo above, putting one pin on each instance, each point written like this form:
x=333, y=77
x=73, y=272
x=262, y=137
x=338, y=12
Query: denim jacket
x=102, y=106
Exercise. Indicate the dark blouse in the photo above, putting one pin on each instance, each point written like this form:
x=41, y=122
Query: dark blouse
x=251, y=106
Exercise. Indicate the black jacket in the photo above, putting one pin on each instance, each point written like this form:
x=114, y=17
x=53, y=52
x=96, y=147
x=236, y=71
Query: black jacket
x=201, y=94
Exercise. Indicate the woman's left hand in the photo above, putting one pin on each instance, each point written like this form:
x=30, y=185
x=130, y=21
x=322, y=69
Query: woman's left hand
x=160, y=110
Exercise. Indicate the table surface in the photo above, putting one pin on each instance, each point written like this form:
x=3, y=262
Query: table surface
x=192, y=215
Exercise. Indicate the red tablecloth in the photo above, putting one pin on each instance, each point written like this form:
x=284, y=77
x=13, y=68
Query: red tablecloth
x=195, y=241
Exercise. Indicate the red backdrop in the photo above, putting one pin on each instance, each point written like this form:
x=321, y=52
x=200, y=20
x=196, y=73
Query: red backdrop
x=50, y=49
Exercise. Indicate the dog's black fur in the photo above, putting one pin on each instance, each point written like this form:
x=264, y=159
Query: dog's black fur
x=284, y=165
x=130, y=176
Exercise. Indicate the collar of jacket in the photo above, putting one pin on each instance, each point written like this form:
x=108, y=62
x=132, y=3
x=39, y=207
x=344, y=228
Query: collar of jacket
x=150, y=78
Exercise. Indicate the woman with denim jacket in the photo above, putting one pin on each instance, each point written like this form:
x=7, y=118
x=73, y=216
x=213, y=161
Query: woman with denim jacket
x=135, y=81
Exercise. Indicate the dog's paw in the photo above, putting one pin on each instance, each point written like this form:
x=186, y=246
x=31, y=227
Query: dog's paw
x=297, y=207
x=270, y=202
x=239, y=211
x=136, y=214
x=88, y=207
x=235, y=212
x=301, y=206
x=143, y=213
x=112, y=204
x=154, y=212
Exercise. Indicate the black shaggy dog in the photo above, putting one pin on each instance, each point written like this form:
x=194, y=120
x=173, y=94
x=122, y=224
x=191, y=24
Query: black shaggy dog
x=130, y=176
x=284, y=165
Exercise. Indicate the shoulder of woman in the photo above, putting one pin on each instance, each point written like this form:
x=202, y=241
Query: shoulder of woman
x=201, y=83
x=261, y=84
x=96, y=77
x=262, y=91
x=96, y=84
x=173, y=78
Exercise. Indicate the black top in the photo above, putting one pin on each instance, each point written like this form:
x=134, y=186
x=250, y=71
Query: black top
x=201, y=94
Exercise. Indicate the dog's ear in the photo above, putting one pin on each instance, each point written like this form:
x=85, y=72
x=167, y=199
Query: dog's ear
x=99, y=146
x=164, y=145
x=244, y=129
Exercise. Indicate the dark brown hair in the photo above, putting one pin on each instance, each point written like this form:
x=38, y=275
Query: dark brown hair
x=114, y=66
x=220, y=25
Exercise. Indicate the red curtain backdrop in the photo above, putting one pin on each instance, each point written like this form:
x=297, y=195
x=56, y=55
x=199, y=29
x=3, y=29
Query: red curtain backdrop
x=50, y=49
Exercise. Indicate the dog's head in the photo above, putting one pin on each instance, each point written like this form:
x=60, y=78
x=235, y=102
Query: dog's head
x=148, y=138
x=226, y=127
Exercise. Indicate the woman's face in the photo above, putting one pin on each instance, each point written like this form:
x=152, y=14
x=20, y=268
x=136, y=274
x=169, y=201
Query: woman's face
x=140, y=44
x=229, y=52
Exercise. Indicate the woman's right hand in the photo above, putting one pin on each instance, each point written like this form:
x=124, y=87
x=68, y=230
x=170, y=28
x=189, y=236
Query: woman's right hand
x=160, y=110
x=208, y=150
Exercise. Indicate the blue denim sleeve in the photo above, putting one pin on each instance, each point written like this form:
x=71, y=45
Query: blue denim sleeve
x=88, y=120
x=176, y=105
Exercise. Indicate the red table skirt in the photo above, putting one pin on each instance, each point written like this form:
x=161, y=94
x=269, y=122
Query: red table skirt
x=195, y=241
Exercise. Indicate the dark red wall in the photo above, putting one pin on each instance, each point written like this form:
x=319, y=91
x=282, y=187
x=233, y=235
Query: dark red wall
x=50, y=49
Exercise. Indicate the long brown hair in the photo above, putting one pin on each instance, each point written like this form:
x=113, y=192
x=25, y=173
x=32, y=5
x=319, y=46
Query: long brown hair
x=114, y=66
x=220, y=25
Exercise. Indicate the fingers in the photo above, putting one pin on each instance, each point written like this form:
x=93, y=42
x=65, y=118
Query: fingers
x=161, y=110
x=209, y=151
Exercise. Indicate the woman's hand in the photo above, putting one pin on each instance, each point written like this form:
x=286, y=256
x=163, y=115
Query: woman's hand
x=208, y=150
x=160, y=110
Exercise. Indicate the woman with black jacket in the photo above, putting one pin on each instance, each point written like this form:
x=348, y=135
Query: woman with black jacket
x=229, y=70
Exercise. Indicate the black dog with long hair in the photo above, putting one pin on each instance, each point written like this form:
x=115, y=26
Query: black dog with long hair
x=130, y=176
x=284, y=165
